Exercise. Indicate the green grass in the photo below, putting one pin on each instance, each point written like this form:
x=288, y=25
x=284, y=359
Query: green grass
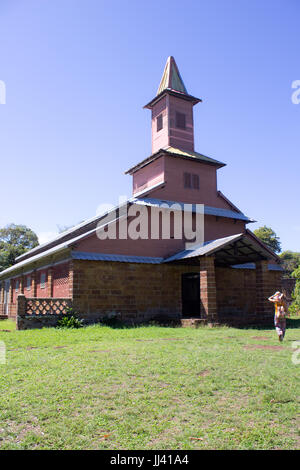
x=148, y=388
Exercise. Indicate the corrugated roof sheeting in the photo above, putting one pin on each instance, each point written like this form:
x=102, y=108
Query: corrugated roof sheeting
x=115, y=257
x=205, y=249
x=271, y=267
x=194, y=155
x=208, y=210
x=176, y=153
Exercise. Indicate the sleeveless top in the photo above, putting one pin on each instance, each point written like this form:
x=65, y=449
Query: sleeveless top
x=280, y=311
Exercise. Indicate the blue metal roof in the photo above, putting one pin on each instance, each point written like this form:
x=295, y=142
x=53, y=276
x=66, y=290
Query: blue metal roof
x=205, y=249
x=271, y=267
x=208, y=210
x=115, y=257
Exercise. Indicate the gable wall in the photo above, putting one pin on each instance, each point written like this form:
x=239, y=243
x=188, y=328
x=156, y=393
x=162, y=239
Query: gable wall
x=149, y=175
x=160, y=139
x=213, y=228
x=181, y=138
x=174, y=189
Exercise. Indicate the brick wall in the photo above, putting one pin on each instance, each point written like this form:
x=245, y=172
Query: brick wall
x=137, y=292
x=141, y=292
x=237, y=295
x=41, y=288
x=61, y=280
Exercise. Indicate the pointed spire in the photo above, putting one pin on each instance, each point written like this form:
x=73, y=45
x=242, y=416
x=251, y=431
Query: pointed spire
x=171, y=78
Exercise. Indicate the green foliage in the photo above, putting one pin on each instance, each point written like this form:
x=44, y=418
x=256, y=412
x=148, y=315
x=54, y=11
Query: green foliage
x=269, y=237
x=69, y=320
x=290, y=261
x=295, y=306
x=14, y=241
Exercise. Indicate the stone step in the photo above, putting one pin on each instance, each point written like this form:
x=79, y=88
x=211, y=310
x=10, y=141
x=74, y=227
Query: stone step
x=192, y=322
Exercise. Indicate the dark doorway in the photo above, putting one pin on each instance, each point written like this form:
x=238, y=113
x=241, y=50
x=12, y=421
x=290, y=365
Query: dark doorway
x=190, y=289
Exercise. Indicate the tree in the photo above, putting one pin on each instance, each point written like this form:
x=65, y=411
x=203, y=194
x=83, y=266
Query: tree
x=269, y=237
x=290, y=261
x=14, y=241
x=295, y=306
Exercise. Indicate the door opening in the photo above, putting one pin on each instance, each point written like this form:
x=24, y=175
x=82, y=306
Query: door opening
x=190, y=291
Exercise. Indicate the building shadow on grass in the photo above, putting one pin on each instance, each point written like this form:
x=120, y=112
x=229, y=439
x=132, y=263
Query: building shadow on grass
x=291, y=323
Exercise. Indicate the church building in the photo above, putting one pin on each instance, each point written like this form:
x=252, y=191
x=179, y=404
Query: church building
x=123, y=265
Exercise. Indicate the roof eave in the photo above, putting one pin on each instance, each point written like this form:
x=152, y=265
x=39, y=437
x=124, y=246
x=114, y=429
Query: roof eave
x=161, y=152
x=175, y=93
x=274, y=255
x=32, y=262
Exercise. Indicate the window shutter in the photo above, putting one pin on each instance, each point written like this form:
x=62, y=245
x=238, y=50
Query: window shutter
x=187, y=180
x=159, y=123
x=195, y=179
x=180, y=120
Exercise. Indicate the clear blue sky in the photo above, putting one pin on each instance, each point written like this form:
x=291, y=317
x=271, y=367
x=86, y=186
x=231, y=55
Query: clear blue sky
x=78, y=72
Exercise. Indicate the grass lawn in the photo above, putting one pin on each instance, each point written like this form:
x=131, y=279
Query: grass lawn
x=149, y=388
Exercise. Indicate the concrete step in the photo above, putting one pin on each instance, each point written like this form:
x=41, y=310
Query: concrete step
x=192, y=322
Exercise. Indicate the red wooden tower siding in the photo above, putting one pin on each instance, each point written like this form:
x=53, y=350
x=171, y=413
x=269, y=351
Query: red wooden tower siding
x=226, y=279
x=172, y=112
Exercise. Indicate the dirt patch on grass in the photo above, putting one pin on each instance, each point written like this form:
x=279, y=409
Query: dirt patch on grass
x=172, y=339
x=204, y=373
x=6, y=331
x=99, y=350
x=16, y=432
x=144, y=339
x=264, y=338
x=60, y=347
x=262, y=346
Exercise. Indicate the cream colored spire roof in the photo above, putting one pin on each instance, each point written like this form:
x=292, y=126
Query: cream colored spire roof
x=171, y=78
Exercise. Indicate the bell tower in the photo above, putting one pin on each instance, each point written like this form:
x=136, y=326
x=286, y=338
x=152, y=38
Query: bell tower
x=172, y=112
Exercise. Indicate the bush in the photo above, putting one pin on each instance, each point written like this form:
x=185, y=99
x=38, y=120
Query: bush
x=295, y=306
x=70, y=320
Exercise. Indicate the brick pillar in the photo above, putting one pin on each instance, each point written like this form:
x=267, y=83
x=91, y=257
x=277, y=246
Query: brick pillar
x=2, y=298
x=50, y=283
x=208, y=295
x=11, y=292
x=21, y=290
x=264, y=308
x=21, y=305
x=2, y=292
x=34, y=284
x=71, y=279
x=21, y=311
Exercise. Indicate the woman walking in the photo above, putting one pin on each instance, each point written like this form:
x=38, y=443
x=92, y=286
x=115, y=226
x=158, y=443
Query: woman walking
x=281, y=312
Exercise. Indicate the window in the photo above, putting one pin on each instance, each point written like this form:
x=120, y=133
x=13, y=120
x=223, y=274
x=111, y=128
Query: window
x=180, y=120
x=28, y=282
x=43, y=280
x=159, y=122
x=191, y=181
x=17, y=285
x=187, y=180
x=195, y=181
